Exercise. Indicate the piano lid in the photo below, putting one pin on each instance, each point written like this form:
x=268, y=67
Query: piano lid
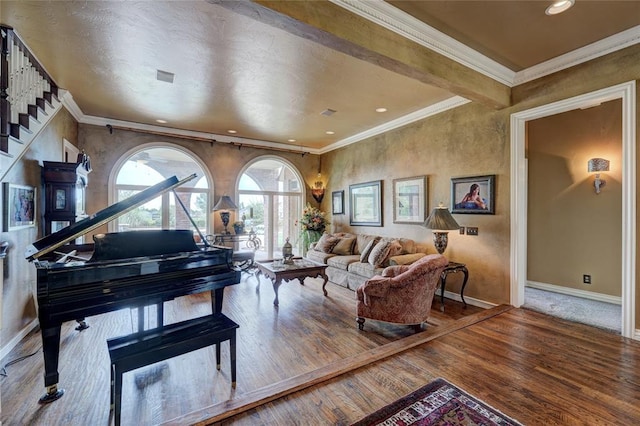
x=53, y=241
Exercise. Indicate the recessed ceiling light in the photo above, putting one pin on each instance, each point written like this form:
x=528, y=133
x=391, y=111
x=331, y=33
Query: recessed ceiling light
x=291, y=140
x=232, y=131
x=329, y=132
x=559, y=6
x=161, y=121
x=381, y=110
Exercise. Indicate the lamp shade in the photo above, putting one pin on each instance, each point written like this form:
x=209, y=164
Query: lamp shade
x=441, y=220
x=225, y=203
x=598, y=165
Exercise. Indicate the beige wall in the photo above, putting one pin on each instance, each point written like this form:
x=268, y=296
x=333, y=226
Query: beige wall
x=572, y=230
x=19, y=293
x=469, y=140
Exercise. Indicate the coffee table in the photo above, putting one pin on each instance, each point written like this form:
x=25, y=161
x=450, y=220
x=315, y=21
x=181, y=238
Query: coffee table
x=300, y=269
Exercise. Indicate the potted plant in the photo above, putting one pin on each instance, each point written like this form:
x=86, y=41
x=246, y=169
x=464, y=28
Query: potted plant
x=312, y=226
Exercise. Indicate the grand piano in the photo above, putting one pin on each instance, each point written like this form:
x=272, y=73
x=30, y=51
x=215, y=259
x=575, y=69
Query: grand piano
x=119, y=270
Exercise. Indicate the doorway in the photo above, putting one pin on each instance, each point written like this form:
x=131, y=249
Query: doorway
x=625, y=92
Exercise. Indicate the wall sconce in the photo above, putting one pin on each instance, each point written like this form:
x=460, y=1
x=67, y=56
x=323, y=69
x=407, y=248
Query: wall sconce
x=441, y=222
x=224, y=204
x=318, y=190
x=598, y=165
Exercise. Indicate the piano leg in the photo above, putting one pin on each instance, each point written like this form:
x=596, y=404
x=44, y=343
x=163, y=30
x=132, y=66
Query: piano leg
x=216, y=300
x=51, y=351
x=82, y=325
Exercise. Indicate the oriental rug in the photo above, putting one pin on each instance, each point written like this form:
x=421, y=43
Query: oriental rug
x=438, y=403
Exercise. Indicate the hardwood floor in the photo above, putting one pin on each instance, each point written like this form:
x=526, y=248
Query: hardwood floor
x=535, y=368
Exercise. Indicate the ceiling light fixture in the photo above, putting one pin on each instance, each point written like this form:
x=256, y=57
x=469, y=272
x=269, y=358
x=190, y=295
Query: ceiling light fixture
x=329, y=132
x=381, y=110
x=291, y=140
x=161, y=121
x=559, y=6
x=232, y=131
x=165, y=76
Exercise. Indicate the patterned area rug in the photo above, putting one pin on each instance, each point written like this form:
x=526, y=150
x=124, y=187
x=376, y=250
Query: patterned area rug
x=438, y=403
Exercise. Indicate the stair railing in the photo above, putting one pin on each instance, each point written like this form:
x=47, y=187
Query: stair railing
x=25, y=88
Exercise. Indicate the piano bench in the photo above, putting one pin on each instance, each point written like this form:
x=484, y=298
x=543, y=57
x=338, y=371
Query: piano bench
x=158, y=344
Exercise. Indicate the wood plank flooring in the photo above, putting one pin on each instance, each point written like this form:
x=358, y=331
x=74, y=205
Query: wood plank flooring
x=535, y=368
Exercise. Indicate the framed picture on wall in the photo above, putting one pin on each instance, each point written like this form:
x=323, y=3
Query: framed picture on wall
x=365, y=204
x=19, y=206
x=473, y=195
x=409, y=200
x=337, y=202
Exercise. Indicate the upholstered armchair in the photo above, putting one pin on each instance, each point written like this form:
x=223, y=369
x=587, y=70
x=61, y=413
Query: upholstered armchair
x=402, y=294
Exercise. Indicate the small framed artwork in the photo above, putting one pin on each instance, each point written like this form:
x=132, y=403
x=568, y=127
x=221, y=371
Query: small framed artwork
x=365, y=206
x=409, y=200
x=473, y=195
x=337, y=202
x=19, y=206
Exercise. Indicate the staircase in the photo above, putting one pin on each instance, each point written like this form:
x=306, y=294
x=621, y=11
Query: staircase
x=29, y=99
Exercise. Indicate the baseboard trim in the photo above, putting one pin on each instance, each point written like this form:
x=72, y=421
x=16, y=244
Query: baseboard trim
x=470, y=300
x=17, y=338
x=575, y=292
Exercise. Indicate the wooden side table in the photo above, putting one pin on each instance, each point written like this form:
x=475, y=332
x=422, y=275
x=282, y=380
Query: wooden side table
x=453, y=267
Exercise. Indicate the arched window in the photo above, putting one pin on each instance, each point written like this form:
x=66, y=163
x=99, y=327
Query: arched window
x=144, y=167
x=270, y=196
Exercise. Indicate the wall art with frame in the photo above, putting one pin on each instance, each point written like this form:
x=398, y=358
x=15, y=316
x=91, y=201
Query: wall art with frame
x=19, y=206
x=365, y=204
x=409, y=200
x=337, y=202
x=473, y=194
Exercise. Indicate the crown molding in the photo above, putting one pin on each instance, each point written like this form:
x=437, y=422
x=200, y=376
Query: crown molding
x=429, y=111
x=394, y=19
x=70, y=104
x=189, y=134
x=594, y=50
x=386, y=15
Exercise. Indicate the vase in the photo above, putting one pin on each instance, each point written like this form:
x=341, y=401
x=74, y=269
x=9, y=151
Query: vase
x=309, y=237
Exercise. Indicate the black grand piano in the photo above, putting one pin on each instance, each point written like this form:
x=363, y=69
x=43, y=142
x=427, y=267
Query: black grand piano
x=123, y=270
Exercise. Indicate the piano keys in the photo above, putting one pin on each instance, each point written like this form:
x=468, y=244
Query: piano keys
x=125, y=270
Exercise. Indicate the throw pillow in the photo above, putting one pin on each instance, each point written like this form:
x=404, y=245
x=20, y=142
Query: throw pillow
x=326, y=243
x=364, y=257
x=380, y=252
x=344, y=246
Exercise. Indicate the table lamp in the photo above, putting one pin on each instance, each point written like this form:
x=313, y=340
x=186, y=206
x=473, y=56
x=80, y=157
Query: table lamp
x=441, y=222
x=224, y=204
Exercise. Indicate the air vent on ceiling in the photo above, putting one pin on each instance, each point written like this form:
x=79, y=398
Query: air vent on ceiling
x=328, y=112
x=165, y=76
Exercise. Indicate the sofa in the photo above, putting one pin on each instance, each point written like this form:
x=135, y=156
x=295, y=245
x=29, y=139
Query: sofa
x=352, y=259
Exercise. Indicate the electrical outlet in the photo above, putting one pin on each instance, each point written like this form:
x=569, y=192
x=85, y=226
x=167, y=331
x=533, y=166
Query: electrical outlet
x=586, y=279
x=462, y=230
x=472, y=230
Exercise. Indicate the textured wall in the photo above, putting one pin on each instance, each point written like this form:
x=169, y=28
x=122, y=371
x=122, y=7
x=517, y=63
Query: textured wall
x=573, y=231
x=470, y=140
x=18, y=297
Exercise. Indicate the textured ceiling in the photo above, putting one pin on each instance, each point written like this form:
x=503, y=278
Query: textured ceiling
x=235, y=72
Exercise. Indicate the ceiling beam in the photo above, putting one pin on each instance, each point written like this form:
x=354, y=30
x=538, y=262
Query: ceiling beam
x=339, y=29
